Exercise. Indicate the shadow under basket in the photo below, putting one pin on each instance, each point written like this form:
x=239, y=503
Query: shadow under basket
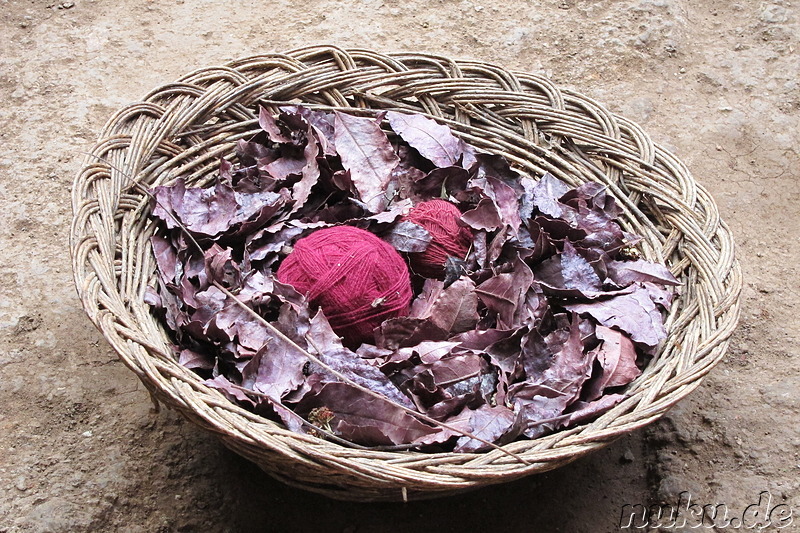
x=183, y=128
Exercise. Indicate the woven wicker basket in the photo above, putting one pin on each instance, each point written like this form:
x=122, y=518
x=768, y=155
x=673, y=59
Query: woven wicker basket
x=181, y=129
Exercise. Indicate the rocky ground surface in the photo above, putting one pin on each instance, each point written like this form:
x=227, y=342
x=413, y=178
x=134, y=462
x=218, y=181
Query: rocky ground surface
x=715, y=81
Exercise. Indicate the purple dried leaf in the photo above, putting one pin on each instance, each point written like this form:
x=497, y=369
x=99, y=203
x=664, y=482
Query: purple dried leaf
x=290, y=419
x=406, y=331
x=370, y=351
x=342, y=180
x=569, y=274
x=322, y=123
x=661, y=296
x=555, y=230
x=434, y=141
x=167, y=200
x=174, y=315
x=270, y=125
x=230, y=391
x=440, y=182
x=634, y=313
x=460, y=423
x=577, y=272
x=569, y=367
x=478, y=255
x=536, y=354
x=229, y=317
x=209, y=303
x=192, y=359
x=550, y=388
x=366, y=152
x=252, y=335
x=599, y=224
x=505, y=294
x=406, y=236
x=293, y=319
x=624, y=273
x=252, y=180
x=221, y=267
x=431, y=351
x=587, y=210
x=497, y=424
x=397, y=210
x=583, y=411
x=256, y=289
x=275, y=370
x=594, y=195
x=546, y=194
x=284, y=167
x=277, y=366
x=310, y=173
x=504, y=198
x=403, y=178
x=208, y=211
x=445, y=409
x=436, y=383
x=348, y=211
x=539, y=414
x=255, y=210
x=204, y=211
x=455, y=368
x=328, y=347
x=479, y=340
x=152, y=298
x=268, y=241
x=526, y=206
x=359, y=417
x=226, y=171
x=251, y=153
x=497, y=245
x=617, y=358
x=495, y=166
x=484, y=216
x=505, y=352
x=454, y=269
x=166, y=259
x=453, y=309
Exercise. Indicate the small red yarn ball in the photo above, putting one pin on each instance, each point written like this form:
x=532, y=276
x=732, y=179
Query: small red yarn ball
x=356, y=278
x=448, y=237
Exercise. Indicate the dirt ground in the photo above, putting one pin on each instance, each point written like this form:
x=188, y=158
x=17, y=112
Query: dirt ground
x=714, y=81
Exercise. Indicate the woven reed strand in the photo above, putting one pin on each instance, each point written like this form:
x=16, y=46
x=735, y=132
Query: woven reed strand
x=182, y=128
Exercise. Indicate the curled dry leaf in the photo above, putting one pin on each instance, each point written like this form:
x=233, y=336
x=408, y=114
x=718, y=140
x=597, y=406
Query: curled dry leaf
x=453, y=309
x=617, y=358
x=497, y=424
x=633, y=312
x=406, y=236
x=330, y=350
x=359, y=418
x=433, y=141
x=367, y=154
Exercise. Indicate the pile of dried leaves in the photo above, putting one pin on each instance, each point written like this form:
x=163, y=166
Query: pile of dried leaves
x=538, y=328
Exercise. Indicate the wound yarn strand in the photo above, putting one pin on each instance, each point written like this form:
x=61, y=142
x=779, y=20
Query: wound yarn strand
x=356, y=278
x=448, y=238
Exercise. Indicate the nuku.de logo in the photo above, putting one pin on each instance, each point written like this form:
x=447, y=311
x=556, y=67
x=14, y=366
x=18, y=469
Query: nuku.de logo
x=756, y=516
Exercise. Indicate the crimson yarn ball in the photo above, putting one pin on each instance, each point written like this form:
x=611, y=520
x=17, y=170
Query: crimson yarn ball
x=448, y=237
x=356, y=278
